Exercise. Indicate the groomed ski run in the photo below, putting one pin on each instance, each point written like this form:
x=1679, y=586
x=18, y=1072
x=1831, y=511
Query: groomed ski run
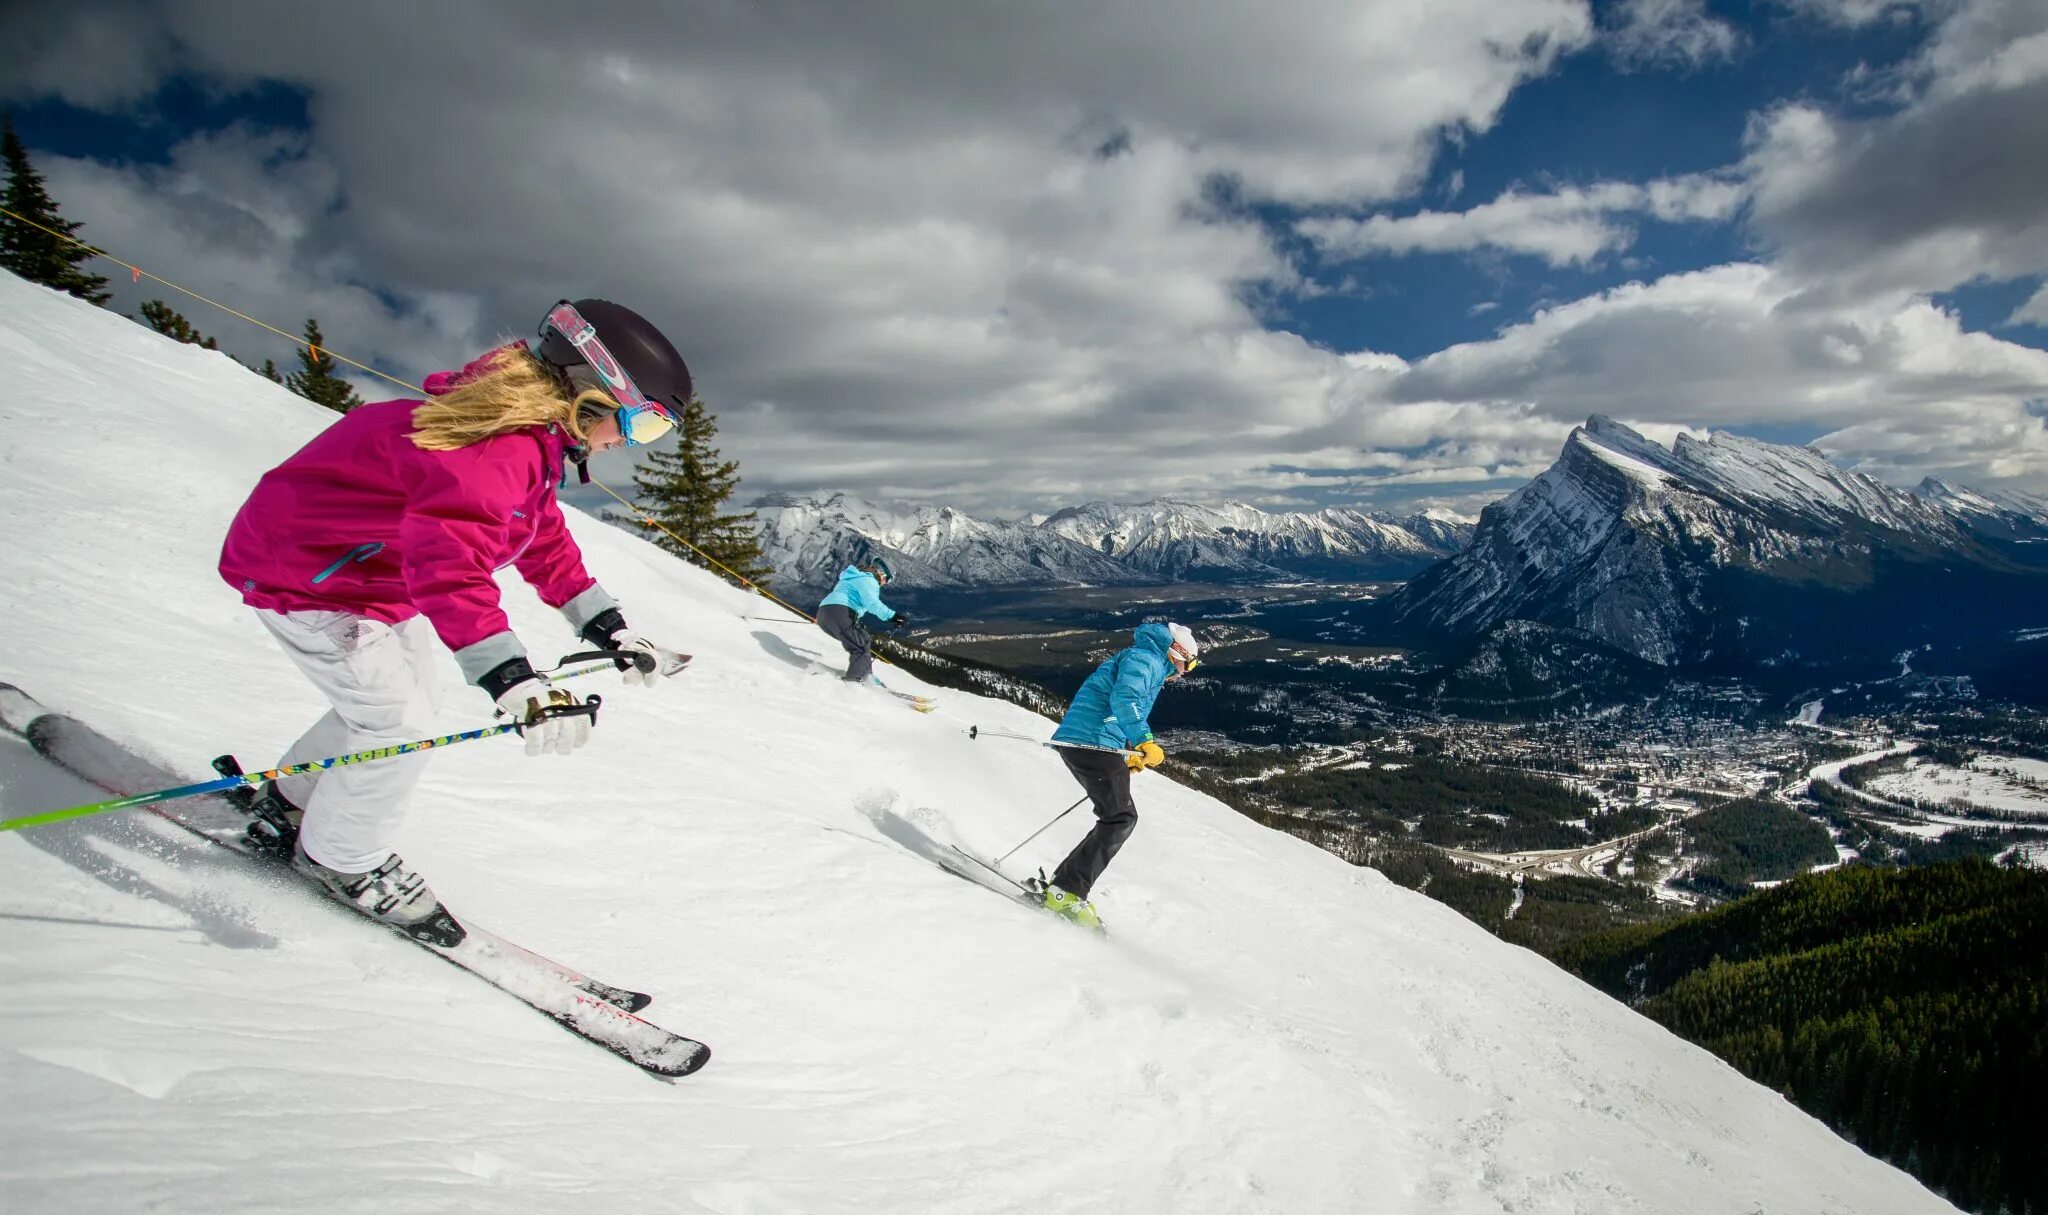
x=1270, y=1029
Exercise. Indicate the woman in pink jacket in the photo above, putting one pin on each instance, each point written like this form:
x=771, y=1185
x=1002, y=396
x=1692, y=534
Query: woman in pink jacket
x=388, y=529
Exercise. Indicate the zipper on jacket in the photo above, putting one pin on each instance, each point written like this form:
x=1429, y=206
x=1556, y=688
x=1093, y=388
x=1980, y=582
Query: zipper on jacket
x=361, y=552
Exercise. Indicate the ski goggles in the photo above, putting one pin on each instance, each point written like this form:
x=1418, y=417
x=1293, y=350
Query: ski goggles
x=641, y=421
x=1182, y=659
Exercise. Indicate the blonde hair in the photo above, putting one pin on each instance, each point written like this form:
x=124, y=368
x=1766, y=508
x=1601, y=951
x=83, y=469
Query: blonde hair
x=505, y=390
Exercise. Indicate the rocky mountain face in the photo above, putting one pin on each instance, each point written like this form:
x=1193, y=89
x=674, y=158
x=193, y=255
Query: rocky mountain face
x=1734, y=552
x=809, y=539
x=1988, y=512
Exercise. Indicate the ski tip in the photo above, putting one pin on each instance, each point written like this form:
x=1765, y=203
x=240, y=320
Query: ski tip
x=687, y=1063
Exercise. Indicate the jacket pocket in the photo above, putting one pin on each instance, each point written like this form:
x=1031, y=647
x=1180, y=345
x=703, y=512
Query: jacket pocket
x=361, y=552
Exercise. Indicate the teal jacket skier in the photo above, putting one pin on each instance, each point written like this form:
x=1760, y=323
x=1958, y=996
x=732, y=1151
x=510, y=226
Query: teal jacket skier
x=846, y=612
x=860, y=590
x=1105, y=736
x=1112, y=709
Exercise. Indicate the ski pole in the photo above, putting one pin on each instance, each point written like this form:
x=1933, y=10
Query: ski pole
x=1042, y=830
x=586, y=709
x=979, y=732
x=671, y=663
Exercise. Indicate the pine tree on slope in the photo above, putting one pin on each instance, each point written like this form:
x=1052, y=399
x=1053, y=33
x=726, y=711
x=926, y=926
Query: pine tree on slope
x=684, y=488
x=315, y=379
x=25, y=248
x=168, y=321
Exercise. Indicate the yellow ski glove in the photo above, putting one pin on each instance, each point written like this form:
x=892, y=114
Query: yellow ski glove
x=1149, y=756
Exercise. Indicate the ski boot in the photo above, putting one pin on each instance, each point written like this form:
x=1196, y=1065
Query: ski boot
x=1071, y=907
x=390, y=894
x=275, y=831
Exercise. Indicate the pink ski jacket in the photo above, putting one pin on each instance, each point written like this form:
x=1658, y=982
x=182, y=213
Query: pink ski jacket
x=362, y=521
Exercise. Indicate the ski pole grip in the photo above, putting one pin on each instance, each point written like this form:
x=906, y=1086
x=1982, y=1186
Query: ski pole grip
x=639, y=658
x=585, y=708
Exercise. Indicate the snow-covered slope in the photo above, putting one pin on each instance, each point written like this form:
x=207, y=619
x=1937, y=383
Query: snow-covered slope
x=1268, y=1030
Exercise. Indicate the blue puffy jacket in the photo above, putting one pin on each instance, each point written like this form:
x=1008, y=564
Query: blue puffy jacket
x=1111, y=708
x=861, y=594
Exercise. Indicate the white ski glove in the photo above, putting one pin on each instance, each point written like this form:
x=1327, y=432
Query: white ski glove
x=645, y=661
x=523, y=702
x=645, y=656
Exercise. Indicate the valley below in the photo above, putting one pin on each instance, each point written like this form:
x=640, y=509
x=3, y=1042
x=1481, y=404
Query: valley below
x=1544, y=788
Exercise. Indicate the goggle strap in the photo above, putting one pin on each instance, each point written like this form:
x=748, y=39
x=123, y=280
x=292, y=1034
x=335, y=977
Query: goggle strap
x=582, y=338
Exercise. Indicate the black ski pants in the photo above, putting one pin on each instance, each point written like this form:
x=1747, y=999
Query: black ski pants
x=1108, y=782
x=838, y=622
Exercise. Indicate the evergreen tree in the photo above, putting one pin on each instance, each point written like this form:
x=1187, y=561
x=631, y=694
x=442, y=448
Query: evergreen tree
x=25, y=248
x=315, y=379
x=167, y=321
x=684, y=487
x=270, y=371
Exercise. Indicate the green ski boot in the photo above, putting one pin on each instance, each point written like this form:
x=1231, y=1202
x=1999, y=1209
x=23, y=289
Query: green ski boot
x=1072, y=907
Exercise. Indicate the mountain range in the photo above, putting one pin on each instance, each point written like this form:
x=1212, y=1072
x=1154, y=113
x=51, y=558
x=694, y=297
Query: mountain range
x=1736, y=553
x=809, y=539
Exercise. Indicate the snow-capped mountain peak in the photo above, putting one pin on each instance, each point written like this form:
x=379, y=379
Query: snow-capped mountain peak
x=1099, y=543
x=1685, y=554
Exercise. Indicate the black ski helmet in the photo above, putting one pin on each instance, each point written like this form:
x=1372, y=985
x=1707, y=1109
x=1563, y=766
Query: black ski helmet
x=640, y=348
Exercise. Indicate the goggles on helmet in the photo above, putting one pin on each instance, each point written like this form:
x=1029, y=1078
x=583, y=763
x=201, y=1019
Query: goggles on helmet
x=641, y=421
x=1182, y=659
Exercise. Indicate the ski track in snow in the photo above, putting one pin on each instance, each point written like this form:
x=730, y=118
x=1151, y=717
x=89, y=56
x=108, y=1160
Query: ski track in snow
x=1269, y=1029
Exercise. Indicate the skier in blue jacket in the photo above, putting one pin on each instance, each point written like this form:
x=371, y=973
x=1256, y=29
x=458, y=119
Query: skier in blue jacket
x=1109, y=715
x=852, y=611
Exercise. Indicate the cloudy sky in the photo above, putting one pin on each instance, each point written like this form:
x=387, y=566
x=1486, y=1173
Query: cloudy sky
x=1015, y=255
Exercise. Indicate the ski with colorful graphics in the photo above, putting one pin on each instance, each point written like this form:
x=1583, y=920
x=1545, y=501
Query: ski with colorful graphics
x=596, y=1012
x=923, y=704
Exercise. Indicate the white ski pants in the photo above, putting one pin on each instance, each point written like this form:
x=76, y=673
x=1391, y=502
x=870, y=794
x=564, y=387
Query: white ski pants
x=380, y=679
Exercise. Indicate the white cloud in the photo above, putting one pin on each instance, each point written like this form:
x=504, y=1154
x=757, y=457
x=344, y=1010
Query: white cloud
x=1656, y=33
x=1857, y=13
x=926, y=246
x=106, y=55
x=1570, y=226
x=2034, y=311
x=968, y=254
x=1940, y=192
x=1727, y=347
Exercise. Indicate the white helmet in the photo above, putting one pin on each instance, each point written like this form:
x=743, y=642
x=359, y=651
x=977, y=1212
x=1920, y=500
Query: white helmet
x=1183, y=639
